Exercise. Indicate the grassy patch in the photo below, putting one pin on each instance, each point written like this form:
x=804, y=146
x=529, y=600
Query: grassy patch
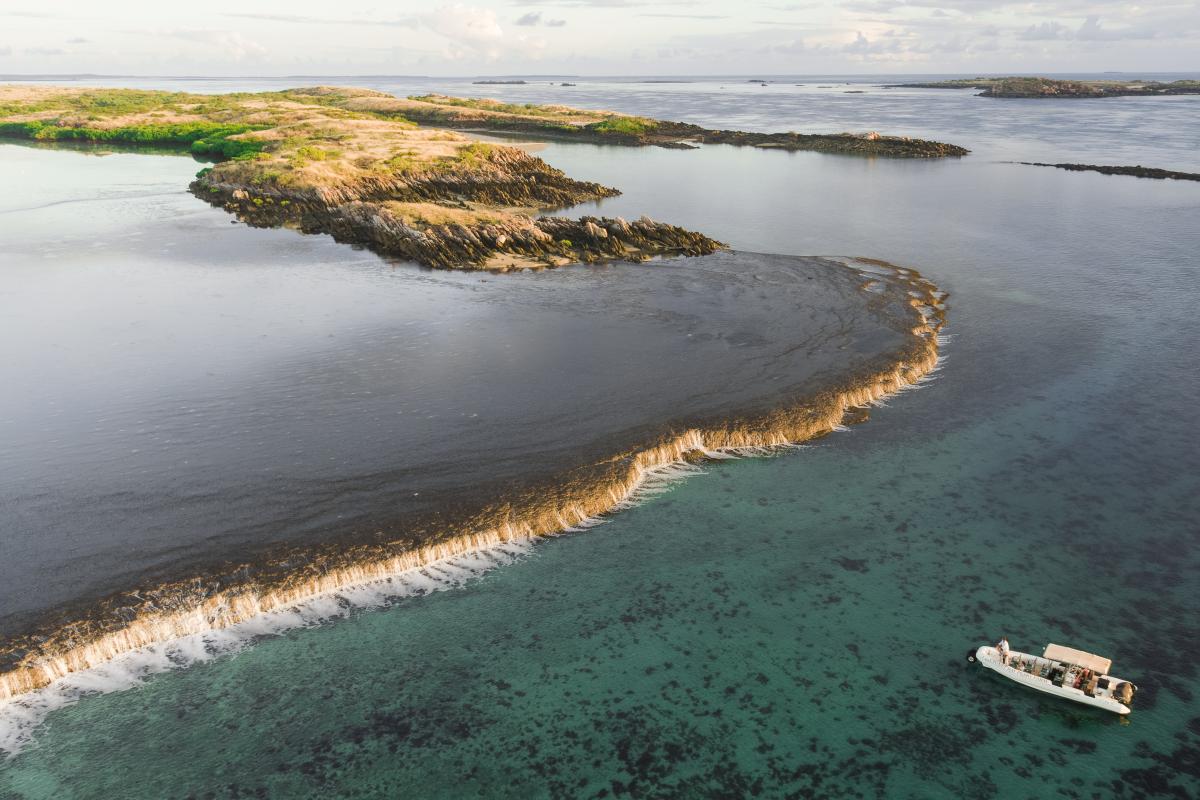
x=476, y=154
x=483, y=104
x=201, y=138
x=623, y=126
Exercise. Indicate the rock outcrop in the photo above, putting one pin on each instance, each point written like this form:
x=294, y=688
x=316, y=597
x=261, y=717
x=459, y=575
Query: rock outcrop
x=1137, y=172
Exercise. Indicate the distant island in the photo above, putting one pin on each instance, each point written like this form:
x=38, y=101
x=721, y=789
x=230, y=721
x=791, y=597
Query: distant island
x=1136, y=172
x=1017, y=87
x=500, y=83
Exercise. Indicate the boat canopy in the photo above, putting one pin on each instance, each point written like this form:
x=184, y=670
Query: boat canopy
x=1069, y=655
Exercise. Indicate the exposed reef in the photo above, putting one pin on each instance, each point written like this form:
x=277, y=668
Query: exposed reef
x=1137, y=172
x=900, y=348
x=1031, y=87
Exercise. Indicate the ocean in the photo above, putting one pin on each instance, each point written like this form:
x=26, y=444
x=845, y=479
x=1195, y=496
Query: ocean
x=787, y=626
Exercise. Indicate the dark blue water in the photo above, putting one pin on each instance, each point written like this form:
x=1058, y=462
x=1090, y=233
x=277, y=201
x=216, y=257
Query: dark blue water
x=795, y=626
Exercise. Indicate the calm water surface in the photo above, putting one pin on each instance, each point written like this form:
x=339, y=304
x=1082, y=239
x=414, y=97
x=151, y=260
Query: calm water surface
x=794, y=626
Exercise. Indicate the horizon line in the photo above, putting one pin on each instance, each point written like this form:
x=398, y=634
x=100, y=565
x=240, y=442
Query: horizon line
x=548, y=75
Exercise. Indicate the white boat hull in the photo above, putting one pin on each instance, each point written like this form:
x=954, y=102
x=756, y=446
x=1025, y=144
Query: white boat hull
x=990, y=658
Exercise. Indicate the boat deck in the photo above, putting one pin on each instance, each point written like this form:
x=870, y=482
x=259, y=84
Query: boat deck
x=1069, y=681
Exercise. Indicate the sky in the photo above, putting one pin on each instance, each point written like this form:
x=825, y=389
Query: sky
x=595, y=37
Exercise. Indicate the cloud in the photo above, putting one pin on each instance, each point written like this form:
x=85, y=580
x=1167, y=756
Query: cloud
x=469, y=25
x=862, y=46
x=1046, y=31
x=5, y=51
x=792, y=48
x=475, y=31
x=534, y=18
x=1091, y=31
x=303, y=19
x=78, y=40
x=601, y=3
x=44, y=51
x=232, y=44
x=685, y=16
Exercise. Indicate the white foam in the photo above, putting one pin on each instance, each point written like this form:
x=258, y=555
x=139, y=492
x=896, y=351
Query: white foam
x=21, y=716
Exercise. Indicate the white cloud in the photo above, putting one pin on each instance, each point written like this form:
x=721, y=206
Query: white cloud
x=534, y=18
x=1091, y=31
x=231, y=44
x=475, y=31
x=865, y=48
x=469, y=25
x=1044, y=32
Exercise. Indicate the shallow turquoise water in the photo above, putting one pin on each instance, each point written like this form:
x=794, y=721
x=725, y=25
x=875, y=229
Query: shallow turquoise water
x=778, y=627
x=792, y=626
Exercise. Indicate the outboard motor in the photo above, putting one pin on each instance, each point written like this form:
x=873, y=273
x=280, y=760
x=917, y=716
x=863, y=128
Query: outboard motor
x=971, y=658
x=1123, y=692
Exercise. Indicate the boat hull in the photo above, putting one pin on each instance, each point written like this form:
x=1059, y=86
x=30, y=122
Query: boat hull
x=990, y=658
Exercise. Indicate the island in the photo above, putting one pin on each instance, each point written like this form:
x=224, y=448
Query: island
x=389, y=173
x=347, y=163
x=1034, y=87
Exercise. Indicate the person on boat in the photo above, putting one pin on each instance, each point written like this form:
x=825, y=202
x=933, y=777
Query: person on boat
x=1002, y=649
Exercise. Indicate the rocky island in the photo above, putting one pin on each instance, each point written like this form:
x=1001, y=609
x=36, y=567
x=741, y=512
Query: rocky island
x=385, y=172
x=1135, y=171
x=325, y=161
x=1033, y=87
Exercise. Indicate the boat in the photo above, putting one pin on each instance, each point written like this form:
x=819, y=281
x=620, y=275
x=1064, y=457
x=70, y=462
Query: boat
x=1061, y=671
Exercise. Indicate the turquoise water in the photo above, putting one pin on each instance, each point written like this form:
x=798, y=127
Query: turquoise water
x=793, y=626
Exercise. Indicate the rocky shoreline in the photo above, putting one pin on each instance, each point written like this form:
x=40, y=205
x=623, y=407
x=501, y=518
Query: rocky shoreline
x=509, y=243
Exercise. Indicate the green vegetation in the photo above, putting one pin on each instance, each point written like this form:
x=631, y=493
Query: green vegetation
x=98, y=103
x=547, y=117
x=475, y=154
x=624, y=126
x=201, y=138
x=483, y=104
